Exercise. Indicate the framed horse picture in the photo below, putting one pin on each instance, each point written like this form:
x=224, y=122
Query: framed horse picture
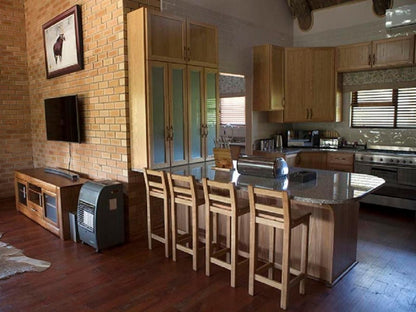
x=62, y=37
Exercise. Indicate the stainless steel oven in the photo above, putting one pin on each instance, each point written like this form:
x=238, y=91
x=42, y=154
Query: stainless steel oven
x=398, y=168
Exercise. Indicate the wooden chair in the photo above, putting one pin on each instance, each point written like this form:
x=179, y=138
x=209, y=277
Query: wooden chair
x=220, y=199
x=156, y=187
x=183, y=191
x=272, y=208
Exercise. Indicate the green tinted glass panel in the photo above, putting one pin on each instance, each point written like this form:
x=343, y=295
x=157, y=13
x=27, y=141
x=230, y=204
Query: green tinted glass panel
x=158, y=118
x=211, y=112
x=178, y=115
x=195, y=78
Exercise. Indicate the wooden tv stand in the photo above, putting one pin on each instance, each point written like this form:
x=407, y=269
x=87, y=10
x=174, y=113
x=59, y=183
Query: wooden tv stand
x=47, y=198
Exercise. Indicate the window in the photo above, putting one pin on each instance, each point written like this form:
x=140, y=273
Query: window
x=232, y=99
x=384, y=108
x=233, y=110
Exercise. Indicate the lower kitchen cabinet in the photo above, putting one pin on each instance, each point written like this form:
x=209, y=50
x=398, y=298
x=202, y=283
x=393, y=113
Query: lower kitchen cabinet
x=340, y=161
x=315, y=160
x=47, y=199
x=333, y=160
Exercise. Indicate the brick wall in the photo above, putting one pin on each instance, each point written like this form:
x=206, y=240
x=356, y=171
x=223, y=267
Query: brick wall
x=101, y=87
x=15, y=137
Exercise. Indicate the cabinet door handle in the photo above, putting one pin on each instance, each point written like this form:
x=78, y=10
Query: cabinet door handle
x=167, y=133
x=369, y=59
x=184, y=53
x=311, y=113
x=171, y=133
x=189, y=54
x=374, y=59
x=283, y=102
x=307, y=113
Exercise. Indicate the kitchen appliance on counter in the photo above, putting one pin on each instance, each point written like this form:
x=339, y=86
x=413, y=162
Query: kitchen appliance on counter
x=330, y=142
x=264, y=167
x=278, y=141
x=303, y=138
x=266, y=145
x=397, y=166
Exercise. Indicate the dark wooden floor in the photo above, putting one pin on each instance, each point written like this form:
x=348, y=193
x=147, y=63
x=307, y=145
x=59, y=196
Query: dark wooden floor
x=132, y=278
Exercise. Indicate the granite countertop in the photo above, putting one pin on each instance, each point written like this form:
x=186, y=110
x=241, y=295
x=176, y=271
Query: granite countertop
x=329, y=187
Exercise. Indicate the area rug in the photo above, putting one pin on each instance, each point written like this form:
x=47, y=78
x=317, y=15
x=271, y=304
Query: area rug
x=13, y=261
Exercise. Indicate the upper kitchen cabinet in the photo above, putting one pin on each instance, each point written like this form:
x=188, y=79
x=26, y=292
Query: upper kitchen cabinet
x=298, y=84
x=393, y=52
x=166, y=37
x=354, y=57
x=202, y=45
x=268, y=78
x=174, y=39
x=322, y=107
x=309, y=85
x=384, y=53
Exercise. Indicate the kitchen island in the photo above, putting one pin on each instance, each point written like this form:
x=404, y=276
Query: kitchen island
x=331, y=197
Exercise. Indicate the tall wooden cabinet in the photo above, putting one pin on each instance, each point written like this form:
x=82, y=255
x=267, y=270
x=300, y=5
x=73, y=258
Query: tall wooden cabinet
x=383, y=53
x=173, y=92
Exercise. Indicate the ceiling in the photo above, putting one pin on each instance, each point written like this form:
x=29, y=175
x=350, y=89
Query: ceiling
x=302, y=9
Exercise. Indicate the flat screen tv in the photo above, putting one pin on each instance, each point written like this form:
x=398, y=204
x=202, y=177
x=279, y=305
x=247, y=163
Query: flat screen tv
x=62, y=119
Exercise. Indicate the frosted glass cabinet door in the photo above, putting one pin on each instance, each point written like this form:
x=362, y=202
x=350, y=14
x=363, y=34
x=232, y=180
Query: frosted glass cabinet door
x=178, y=142
x=158, y=115
x=195, y=78
x=211, y=103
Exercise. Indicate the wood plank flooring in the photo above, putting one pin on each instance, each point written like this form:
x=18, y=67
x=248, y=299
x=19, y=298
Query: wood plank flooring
x=132, y=278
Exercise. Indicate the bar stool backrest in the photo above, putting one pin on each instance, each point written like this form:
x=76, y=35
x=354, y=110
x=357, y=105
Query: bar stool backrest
x=182, y=189
x=270, y=206
x=155, y=182
x=220, y=196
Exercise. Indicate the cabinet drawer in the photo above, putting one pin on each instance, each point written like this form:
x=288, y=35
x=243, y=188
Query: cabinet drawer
x=340, y=167
x=33, y=211
x=335, y=158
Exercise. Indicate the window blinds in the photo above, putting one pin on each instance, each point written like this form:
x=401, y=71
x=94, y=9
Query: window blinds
x=384, y=108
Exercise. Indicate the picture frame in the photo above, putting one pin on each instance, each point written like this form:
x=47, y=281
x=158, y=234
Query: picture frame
x=62, y=37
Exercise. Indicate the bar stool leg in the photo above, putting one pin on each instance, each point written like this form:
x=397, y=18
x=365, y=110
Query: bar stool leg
x=215, y=227
x=228, y=238
x=194, y=237
x=234, y=247
x=149, y=224
x=285, y=271
x=208, y=241
x=304, y=256
x=272, y=235
x=253, y=253
x=166, y=222
x=174, y=230
x=187, y=223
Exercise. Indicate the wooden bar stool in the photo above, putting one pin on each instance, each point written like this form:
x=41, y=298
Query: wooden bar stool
x=272, y=208
x=183, y=191
x=156, y=187
x=220, y=199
